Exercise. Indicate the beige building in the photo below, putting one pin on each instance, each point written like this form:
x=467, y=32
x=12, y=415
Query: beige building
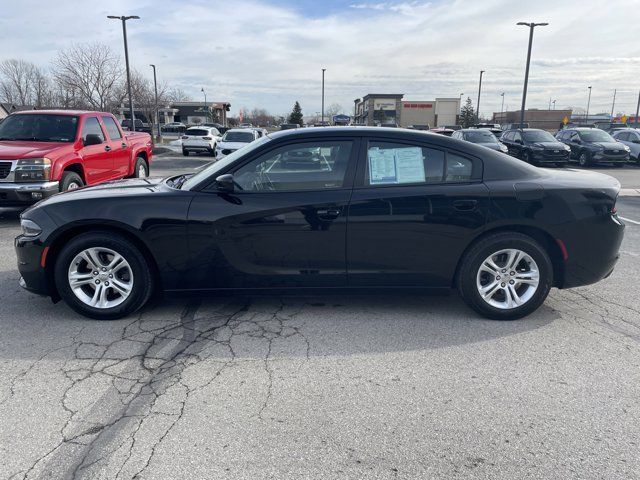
x=550, y=120
x=390, y=109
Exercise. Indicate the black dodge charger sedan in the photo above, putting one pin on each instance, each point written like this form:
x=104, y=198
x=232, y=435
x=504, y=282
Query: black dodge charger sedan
x=334, y=209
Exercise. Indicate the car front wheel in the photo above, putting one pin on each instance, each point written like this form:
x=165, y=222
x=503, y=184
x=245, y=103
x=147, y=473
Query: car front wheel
x=505, y=276
x=103, y=276
x=141, y=170
x=584, y=159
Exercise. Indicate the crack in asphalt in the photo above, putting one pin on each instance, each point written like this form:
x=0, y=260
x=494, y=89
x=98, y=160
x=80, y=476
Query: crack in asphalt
x=144, y=367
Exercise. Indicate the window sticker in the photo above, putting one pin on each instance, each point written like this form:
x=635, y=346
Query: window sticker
x=382, y=166
x=409, y=165
x=395, y=165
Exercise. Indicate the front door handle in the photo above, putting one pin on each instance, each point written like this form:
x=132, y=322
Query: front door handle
x=328, y=213
x=465, y=205
x=107, y=148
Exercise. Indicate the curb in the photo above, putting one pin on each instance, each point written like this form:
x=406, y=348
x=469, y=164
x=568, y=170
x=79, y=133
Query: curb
x=629, y=192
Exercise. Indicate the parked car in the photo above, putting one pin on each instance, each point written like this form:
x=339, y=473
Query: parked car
x=200, y=139
x=261, y=131
x=140, y=125
x=288, y=126
x=453, y=127
x=234, y=139
x=592, y=145
x=631, y=138
x=343, y=208
x=43, y=152
x=419, y=127
x=535, y=146
x=610, y=127
x=515, y=126
x=482, y=137
x=443, y=131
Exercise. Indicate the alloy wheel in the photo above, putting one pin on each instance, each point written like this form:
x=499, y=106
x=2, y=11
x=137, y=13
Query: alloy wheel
x=142, y=172
x=100, y=277
x=507, y=279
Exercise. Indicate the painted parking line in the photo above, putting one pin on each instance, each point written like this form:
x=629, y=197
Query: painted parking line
x=635, y=222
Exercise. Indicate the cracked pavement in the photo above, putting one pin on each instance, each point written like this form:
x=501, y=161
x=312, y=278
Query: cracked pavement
x=405, y=386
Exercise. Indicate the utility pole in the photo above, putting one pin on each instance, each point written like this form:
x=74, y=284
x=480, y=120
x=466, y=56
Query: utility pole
x=531, y=26
x=614, y=101
x=478, y=104
x=637, y=108
x=554, y=104
x=586, y=117
x=323, y=70
x=502, y=108
x=126, y=59
x=155, y=87
x=205, y=103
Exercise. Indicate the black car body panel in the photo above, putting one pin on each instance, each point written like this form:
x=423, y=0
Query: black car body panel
x=356, y=236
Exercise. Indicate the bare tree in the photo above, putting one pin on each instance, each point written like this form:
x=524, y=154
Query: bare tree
x=334, y=109
x=177, y=95
x=23, y=83
x=92, y=72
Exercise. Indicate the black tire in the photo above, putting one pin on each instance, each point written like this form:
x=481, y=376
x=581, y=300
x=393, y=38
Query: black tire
x=584, y=159
x=185, y=152
x=140, y=163
x=142, y=276
x=212, y=151
x=70, y=181
x=526, y=156
x=480, y=251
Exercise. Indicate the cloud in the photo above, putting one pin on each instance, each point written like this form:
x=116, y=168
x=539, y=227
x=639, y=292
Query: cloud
x=269, y=53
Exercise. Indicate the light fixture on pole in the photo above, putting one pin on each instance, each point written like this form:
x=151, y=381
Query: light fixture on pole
x=554, y=104
x=206, y=110
x=478, y=104
x=126, y=59
x=155, y=110
x=586, y=117
x=323, y=70
x=531, y=26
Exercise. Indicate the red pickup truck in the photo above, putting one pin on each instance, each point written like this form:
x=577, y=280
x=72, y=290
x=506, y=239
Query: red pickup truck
x=43, y=152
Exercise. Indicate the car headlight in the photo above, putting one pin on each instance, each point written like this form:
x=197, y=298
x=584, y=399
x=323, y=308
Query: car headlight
x=567, y=148
x=626, y=148
x=33, y=170
x=30, y=228
x=503, y=148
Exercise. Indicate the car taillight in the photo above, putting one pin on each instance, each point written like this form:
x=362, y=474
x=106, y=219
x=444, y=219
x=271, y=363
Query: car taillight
x=184, y=137
x=614, y=210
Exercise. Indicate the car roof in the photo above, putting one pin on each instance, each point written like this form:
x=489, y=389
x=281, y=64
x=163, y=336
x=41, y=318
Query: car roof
x=239, y=130
x=474, y=130
x=57, y=112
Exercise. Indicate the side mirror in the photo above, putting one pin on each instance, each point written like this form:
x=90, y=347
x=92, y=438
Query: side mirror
x=518, y=141
x=92, y=139
x=225, y=183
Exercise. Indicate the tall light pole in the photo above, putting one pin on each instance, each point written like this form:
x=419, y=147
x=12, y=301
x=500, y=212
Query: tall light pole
x=478, y=104
x=502, y=107
x=586, y=117
x=637, y=109
x=155, y=87
x=614, y=101
x=126, y=59
x=554, y=104
x=323, y=70
x=205, y=103
x=531, y=26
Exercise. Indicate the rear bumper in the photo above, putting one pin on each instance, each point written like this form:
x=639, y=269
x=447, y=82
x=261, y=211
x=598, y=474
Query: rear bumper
x=25, y=194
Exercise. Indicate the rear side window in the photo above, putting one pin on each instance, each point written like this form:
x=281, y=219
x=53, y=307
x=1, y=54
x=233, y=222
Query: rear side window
x=459, y=168
x=92, y=126
x=196, y=132
x=112, y=128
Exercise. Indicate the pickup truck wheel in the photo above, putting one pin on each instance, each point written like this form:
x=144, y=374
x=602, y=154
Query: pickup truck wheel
x=103, y=276
x=141, y=170
x=70, y=181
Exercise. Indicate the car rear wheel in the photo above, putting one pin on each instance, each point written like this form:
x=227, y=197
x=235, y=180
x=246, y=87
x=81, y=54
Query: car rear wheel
x=70, y=181
x=103, y=276
x=584, y=159
x=185, y=152
x=505, y=276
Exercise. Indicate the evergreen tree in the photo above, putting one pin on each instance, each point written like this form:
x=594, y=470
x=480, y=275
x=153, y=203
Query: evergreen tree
x=467, y=114
x=296, y=114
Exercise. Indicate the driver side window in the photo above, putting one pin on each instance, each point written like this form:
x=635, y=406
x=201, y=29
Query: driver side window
x=300, y=166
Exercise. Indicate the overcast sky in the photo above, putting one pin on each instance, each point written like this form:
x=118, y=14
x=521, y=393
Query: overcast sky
x=269, y=53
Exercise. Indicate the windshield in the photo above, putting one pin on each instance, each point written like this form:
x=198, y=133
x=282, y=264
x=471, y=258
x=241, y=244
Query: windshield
x=39, y=128
x=243, y=137
x=213, y=169
x=538, y=136
x=595, y=135
x=481, y=136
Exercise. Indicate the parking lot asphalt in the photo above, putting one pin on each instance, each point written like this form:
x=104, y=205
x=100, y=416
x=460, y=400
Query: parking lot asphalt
x=404, y=386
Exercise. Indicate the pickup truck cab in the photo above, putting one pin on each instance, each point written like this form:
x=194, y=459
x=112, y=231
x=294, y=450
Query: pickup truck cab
x=43, y=152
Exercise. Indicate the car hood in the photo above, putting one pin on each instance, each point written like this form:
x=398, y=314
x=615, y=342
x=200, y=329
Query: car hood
x=14, y=150
x=492, y=146
x=550, y=145
x=608, y=145
x=232, y=145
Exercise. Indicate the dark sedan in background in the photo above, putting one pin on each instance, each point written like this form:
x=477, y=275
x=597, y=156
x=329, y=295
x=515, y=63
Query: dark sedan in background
x=535, y=146
x=592, y=145
x=484, y=137
x=336, y=209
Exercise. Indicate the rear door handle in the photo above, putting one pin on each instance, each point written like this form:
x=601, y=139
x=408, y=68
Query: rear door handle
x=124, y=145
x=328, y=213
x=107, y=148
x=465, y=205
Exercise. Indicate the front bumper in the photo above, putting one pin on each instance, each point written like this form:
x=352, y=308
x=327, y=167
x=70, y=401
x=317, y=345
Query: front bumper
x=25, y=194
x=550, y=156
x=606, y=158
x=29, y=251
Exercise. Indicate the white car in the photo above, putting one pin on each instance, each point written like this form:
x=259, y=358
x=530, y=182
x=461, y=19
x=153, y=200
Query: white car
x=235, y=139
x=200, y=139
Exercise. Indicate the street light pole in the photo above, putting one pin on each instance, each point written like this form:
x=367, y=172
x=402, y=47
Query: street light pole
x=502, y=107
x=478, y=104
x=205, y=103
x=638, y=108
x=586, y=117
x=614, y=101
x=531, y=26
x=155, y=87
x=126, y=59
x=554, y=104
x=323, y=70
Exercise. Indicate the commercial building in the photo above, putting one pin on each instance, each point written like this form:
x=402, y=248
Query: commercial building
x=382, y=109
x=550, y=120
x=189, y=113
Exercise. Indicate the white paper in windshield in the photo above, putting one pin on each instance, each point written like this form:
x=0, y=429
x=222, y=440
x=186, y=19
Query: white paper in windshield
x=382, y=166
x=409, y=165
